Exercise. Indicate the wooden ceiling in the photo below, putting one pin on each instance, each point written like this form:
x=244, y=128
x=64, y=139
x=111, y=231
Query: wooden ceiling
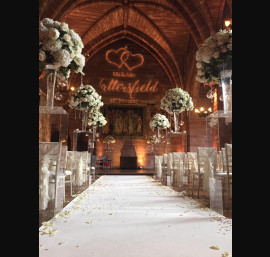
x=171, y=30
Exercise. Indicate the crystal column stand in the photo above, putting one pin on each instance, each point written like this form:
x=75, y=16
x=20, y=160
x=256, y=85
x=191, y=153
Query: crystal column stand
x=84, y=119
x=51, y=78
x=176, y=120
x=226, y=83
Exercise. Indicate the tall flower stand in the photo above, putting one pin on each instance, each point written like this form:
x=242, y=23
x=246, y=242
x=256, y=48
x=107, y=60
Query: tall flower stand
x=53, y=120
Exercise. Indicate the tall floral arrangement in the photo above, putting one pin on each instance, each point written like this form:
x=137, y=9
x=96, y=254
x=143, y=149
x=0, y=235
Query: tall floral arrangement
x=159, y=121
x=216, y=50
x=61, y=47
x=85, y=97
x=96, y=119
x=176, y=99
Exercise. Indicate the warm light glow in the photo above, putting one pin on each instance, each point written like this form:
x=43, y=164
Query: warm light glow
x=196, y=110
x=201, y=109
x=227, y=23
x=72, y=88
x=210, y=109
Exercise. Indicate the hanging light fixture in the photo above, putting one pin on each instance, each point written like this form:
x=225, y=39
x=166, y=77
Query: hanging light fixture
x=202, y=112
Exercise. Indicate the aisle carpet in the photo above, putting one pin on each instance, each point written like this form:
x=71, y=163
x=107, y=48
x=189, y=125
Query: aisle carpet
x=135, y=216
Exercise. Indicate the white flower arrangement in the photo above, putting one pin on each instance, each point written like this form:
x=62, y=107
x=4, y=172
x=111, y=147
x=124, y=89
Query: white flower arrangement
x=109, y=140
x=61, y=47
x=216, y=50
x=176, y=99
x=159, y=121
x=96, y=119
x=152, y=140
x=85, y=97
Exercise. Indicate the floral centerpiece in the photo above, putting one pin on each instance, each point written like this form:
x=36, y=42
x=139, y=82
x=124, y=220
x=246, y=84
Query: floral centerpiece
x=159, y=121
x=85, y=97
x=176, y=99
x=96, y=119
x=216, y=50
x=61, y=47
x=153, y=140
x=109, y=140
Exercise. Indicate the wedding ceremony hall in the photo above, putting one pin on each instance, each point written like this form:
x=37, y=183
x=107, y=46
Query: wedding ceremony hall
x=135, y=128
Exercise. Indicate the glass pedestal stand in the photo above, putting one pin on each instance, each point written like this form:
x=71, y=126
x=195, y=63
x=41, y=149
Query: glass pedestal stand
x=83, y=141
x=53, y=124
x=176, y=142
x=219, y=129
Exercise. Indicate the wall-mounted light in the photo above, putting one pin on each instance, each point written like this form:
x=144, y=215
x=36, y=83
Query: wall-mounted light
x=72, y=88
x=202, y=112
x=228, y=24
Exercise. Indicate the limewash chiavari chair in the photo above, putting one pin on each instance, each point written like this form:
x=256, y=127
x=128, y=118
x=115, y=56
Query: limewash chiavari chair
x=158, y=166
x=169, y=169
x=80, y=169
x=179, y=170
x=70, y=168
x=164, y=169
x=204, y=154
x=191, y=164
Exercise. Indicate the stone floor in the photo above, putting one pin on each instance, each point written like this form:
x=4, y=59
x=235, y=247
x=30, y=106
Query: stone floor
x=49, y=213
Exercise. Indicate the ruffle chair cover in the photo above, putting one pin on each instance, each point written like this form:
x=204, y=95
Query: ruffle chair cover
x=158, y=167
x=80, y=168
x=207, y=161
x=208, y=173
x=44, y=175
x=178, y=168
x=51, y=151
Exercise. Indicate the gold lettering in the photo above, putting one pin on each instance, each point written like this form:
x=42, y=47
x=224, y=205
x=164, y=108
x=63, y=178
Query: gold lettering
x=131, y=89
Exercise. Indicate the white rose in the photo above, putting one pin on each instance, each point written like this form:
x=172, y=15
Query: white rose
x=47, y=22
x=56, y=24
x=64, y=26
x=80, y=60
x=42, y=55
x=53, y=33
x=52, y=45
x=199, y=65
x=67, y=37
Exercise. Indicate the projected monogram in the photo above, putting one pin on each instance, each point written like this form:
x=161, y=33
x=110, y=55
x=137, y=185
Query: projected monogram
x=121, y=80
x=124, y=58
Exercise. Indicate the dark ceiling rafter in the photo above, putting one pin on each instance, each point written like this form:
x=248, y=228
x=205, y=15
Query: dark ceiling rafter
x=151, y=25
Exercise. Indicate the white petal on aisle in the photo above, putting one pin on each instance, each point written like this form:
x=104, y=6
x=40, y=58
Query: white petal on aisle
x=135, y=216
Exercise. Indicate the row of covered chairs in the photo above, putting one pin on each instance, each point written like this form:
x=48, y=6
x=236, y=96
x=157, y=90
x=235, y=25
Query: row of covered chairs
x=180, y=169
x=57, y=168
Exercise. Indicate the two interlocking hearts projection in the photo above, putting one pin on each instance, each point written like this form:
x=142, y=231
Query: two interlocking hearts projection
x=123, y=57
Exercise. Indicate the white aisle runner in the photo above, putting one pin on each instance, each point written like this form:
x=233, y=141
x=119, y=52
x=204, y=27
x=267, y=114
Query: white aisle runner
x=135, y=216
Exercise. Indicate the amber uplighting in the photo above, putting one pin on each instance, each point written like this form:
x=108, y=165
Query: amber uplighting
x=202, y=112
